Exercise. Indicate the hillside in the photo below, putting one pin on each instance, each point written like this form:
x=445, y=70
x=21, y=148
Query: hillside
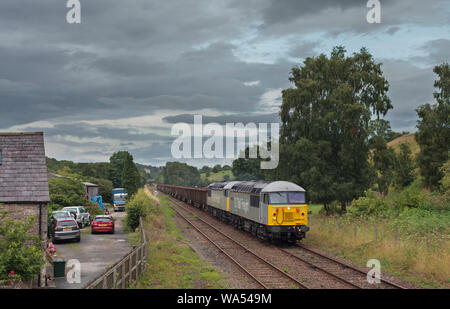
x=405, y=139
x=217, y=177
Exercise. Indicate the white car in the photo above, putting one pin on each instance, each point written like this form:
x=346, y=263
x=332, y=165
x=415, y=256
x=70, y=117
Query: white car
x=82, y=216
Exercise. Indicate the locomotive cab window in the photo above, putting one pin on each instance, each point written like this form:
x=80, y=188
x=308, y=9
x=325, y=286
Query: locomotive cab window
x=209, y=193
x=297, y=197
x=287, y=198
x=278, y=198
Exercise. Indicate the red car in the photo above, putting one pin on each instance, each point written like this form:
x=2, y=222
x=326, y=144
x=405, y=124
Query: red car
x=103, y=223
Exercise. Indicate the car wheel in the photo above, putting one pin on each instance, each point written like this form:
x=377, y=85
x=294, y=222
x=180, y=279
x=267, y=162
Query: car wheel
x=78, y=239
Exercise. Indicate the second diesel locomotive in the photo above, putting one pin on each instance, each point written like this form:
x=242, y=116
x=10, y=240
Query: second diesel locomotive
x=273, y=210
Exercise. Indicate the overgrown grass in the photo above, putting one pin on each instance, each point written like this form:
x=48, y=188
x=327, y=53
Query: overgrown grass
x=411, y=240
x=171, y=263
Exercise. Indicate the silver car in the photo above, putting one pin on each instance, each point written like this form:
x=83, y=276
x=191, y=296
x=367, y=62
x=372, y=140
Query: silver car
x=82, y=216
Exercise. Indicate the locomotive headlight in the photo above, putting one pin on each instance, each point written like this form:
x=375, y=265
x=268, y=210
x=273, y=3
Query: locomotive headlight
x=289, y=208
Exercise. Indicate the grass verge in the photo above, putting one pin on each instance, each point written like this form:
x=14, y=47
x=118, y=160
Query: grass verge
x=423, y=260
x=172, y=264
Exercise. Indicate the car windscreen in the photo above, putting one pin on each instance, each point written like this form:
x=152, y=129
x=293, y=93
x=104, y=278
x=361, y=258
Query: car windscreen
x=60, y=214
x=66, y=223
x=102, y=219
x=297, y=197
x=278, y=198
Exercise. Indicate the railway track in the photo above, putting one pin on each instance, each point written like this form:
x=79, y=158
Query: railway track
x=264, y=273
x=340, y=269
x=345, y=276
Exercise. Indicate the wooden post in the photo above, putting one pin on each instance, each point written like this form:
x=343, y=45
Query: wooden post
x=396, y=238
x=123, y=275
x=114, y=278
x=376, y=232
x=105, y=283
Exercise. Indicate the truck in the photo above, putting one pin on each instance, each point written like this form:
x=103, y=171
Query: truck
x=119, y=199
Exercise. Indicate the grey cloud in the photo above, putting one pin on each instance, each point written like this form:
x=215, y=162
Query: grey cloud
x=285, y=11
x=134, y=58
x=222, y=120
x=439, y=51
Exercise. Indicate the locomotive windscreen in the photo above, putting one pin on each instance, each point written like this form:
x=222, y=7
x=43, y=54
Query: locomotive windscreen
x=287, y=198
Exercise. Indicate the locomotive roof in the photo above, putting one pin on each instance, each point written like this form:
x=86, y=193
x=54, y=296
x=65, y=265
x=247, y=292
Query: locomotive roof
x=256, y=187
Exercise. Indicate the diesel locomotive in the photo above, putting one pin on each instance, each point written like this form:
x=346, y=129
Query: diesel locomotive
x=271, y=210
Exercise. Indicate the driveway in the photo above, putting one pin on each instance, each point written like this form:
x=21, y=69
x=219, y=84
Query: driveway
x=95, y=252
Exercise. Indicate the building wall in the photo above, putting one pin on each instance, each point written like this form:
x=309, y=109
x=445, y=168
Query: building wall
x=92, y=191
x=25, y=211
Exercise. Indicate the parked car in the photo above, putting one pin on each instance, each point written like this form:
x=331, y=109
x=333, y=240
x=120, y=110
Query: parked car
x=65, y=229
x=58, y=214
x=102, y=223
x=81, y=215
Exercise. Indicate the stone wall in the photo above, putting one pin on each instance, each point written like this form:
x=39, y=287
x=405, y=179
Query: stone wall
x=24, y=211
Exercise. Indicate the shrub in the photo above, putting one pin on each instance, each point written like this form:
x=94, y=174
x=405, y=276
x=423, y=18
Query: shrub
x=20, y=250
x=93, y=209
x=411, y=197
x=140, y=205
x=65, y=192
x=369, y=204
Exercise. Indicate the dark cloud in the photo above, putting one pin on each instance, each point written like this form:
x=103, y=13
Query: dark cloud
x=222, y=120
x=285, y=11
x=136, y=58
x=439, y=51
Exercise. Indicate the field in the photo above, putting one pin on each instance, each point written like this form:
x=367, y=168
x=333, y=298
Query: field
x=217, y=177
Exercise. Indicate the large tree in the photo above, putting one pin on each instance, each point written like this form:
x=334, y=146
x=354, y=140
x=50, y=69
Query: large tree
x=325, y=124
x=181, y=174
x=117, y=163
x=433, y=135
x=130, y=176
x=383, y=158
x=404, y=167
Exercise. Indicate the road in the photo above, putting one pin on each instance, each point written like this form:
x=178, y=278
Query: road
x=95, y=252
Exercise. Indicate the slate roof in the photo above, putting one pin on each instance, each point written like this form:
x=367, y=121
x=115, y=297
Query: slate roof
x=23, y=170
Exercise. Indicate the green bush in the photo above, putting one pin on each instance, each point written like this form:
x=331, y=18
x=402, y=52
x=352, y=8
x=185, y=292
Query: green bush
x=411, y=197
x=369, y=204
x=65, y=192
x=140, y=205
x=20, y=250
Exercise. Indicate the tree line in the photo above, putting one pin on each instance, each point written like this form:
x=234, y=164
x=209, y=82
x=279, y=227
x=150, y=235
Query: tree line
x=120, y=171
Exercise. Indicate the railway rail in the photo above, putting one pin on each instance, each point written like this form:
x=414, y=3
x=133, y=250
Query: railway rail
x=344, y=269
x=264, y=273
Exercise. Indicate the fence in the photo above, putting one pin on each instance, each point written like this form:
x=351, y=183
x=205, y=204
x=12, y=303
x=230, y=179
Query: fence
x=127, y=271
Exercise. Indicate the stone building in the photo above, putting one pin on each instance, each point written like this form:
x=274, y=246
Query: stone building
x=23, y=179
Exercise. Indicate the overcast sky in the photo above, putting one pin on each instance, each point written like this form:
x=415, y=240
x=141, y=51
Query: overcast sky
x=121, y=78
